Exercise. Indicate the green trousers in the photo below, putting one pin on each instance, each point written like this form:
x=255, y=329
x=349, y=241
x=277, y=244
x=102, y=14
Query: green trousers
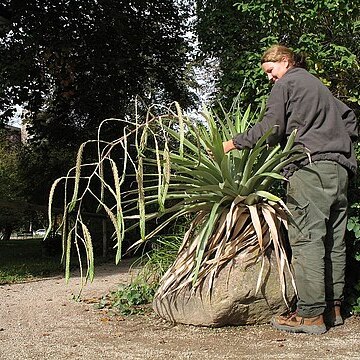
x=317, y=200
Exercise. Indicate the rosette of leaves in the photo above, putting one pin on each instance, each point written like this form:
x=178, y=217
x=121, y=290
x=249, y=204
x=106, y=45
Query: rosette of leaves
x=234, y=211
x=181, y=170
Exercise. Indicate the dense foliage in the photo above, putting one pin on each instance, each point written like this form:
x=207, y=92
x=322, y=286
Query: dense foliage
x=238, y=32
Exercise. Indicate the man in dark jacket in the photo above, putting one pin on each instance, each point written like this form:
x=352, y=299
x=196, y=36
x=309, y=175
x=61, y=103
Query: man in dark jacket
x=317, y=188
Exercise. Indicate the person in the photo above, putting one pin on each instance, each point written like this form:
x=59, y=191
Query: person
x=316, y=187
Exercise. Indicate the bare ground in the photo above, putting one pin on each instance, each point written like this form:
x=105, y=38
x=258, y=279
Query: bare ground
x=41, y=320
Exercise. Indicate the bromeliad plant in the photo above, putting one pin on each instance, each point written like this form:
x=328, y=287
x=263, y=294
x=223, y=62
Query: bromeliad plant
x=181, y=170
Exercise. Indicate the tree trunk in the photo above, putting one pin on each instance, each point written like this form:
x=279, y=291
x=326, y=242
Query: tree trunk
x=7, y=233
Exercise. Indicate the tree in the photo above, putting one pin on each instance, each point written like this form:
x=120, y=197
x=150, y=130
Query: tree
x=12, y=213
x=71, y=64
x=86, y=60
x=238, y=32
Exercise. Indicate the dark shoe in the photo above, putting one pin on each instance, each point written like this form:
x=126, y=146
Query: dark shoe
x=298, y=324
x=332, y=314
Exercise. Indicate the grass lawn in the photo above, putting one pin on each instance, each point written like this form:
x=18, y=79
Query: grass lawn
x=25, y=259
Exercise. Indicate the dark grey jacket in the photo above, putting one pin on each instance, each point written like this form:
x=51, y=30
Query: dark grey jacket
x=326, y=126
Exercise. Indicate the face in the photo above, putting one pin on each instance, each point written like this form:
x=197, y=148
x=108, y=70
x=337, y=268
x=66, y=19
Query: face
x=276, y=70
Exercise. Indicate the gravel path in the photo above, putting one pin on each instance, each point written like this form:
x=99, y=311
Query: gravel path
x=41, y=320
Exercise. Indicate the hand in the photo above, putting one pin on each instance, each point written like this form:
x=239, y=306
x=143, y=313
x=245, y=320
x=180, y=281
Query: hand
x=228, y=146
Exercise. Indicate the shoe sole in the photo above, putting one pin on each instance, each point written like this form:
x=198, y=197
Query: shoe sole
x=338, y=321
x=334, y=322
x=307, y=329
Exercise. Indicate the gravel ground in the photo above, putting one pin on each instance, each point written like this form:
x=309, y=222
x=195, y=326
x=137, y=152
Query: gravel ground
x=41, y=320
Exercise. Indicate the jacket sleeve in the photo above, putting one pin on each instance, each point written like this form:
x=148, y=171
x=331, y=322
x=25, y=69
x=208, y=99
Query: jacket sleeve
x=274, y=117
x=349, y=118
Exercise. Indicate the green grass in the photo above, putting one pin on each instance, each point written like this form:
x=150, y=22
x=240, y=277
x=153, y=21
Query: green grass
x=22, y=260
